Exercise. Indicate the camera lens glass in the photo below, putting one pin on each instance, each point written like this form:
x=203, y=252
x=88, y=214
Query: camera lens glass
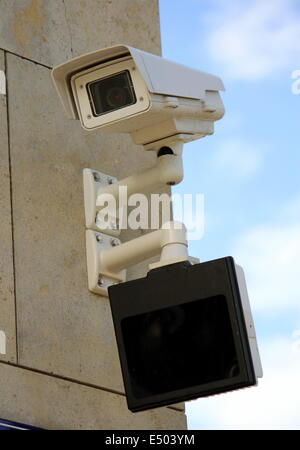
x=111, y=93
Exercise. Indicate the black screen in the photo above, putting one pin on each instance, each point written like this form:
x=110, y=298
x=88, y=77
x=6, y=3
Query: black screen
x=111, y=93
x=180, y=346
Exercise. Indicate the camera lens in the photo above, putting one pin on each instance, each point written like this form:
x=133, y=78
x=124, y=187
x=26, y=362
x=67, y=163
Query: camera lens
x=111, y=93
x=116, y=97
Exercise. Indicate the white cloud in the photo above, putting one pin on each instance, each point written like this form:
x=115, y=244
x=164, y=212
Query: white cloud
x=237, y=158
x=270, y=256
x=291, y=210
x=254, y=39
x=233, y=122
x=273, y=404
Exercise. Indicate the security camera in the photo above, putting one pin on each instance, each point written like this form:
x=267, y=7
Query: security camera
x=126, y=90
x=185, y=330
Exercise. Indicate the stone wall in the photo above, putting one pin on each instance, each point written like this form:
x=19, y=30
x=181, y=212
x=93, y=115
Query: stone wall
x=60, y=368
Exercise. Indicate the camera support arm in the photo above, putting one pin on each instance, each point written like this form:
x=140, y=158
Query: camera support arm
x=167, y=170
x=107, y=258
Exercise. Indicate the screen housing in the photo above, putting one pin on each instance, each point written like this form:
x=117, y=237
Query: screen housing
x=175, y=285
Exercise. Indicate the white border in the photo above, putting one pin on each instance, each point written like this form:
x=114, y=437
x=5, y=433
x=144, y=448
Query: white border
x=2, y=343
x=2, y=83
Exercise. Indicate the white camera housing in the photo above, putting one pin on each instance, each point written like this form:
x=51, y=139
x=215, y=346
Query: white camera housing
x=166, y=99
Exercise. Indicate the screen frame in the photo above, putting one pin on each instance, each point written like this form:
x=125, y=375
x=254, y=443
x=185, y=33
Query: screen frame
x=174, y=285
x=79, y=83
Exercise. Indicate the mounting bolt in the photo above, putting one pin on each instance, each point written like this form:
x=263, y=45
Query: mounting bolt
x=100, y=281
x=99, y=238
x=110, y=181
x=96, y=176
x=114, y=242
x=113, y=225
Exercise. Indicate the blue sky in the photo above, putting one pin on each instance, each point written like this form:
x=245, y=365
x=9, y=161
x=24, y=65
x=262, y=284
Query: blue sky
x=248, y=172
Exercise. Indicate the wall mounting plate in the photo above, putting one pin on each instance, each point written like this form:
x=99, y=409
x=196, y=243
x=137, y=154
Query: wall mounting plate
x=100, y=279
x=93, y=180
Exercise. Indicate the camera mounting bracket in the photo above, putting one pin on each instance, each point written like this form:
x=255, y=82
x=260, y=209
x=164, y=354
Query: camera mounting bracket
x=100, y=188
x=107, y=258
x=100, y=279
x=93, y=182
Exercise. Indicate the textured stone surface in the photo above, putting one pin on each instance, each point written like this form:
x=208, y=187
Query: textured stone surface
x=95, y=24
x=62, y=327
x=7, y=301
x=35, y=29
x=51, y=32
x=54, y=403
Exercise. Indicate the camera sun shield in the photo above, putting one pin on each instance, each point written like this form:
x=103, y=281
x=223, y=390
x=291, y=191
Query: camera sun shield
x=167, y=99
x=181, y=334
